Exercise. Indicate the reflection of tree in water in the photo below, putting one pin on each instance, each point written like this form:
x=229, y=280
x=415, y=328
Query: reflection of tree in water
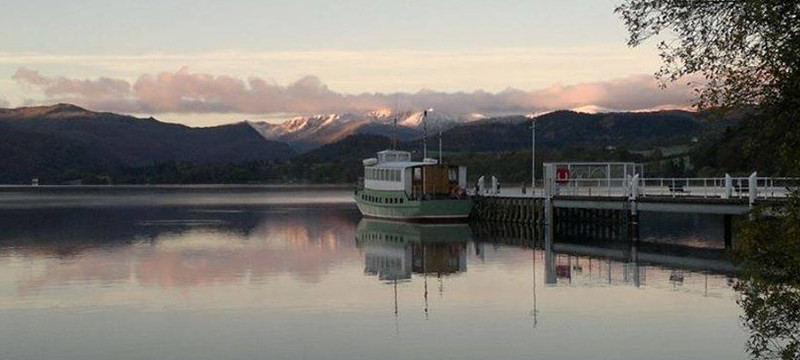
x=769, y=292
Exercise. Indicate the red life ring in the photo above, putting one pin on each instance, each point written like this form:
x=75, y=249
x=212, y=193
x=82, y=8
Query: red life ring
x=562, y=175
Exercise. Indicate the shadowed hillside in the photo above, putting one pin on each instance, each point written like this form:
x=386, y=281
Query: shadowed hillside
x=46, y=141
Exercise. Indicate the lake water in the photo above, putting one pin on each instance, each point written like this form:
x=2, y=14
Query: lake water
x=291, y=273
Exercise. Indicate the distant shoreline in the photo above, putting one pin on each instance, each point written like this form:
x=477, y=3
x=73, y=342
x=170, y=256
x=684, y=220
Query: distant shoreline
x=198, y=187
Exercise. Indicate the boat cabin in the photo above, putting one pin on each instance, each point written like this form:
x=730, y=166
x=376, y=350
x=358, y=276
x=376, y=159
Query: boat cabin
x=393, y=170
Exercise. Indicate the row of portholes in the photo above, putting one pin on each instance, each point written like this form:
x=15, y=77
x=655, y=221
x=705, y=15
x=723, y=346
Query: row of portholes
x=380, y=200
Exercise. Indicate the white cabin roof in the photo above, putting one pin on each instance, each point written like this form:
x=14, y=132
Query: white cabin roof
x=399, y=164
x=396, y=159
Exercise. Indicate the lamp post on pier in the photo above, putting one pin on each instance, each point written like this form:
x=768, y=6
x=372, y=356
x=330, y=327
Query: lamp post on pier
x=533, y=154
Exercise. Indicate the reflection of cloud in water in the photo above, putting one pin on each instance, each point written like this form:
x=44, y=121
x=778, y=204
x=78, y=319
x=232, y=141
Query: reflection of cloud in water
x=187, y=252
x=104, y=197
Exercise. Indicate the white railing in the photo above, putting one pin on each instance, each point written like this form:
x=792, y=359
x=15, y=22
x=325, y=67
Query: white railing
x=727, y=187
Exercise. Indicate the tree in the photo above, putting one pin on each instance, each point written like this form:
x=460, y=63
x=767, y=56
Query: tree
x=735, y=54
x=768, y=252
x=745, y=51
x=745, y=54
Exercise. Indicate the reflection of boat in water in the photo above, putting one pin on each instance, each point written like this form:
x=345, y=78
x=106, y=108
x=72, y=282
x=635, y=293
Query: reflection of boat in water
x=395, y=250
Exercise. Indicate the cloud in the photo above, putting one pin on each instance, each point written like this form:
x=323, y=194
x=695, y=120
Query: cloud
x=383, y=70
x=629, y=93
x=102, y=94
x=184, y=91
x=4, y=103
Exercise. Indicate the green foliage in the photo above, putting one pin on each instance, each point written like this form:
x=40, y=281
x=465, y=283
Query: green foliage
x=745, y=51
x=741, y=54
x=769, y=290
x=747, y=54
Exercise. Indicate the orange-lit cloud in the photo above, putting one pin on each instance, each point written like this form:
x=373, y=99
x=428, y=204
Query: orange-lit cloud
x=187, y=92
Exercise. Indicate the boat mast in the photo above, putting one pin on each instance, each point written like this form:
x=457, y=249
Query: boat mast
x=440, y=144
x=394, y=126
x=424, y=136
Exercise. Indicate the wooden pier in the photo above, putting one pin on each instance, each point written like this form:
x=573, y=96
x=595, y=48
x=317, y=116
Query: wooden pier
x=603, y=201
x=508, y=209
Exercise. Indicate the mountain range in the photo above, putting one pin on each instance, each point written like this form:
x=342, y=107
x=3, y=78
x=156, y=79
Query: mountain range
x=63, y=141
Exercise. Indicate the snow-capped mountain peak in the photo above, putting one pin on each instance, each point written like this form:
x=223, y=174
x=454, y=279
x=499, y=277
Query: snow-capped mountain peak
x=413, y=120
x=381, y=113
x=308, y=132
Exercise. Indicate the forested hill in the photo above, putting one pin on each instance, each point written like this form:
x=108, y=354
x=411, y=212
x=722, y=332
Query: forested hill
x=51, y=140
x=567, y=129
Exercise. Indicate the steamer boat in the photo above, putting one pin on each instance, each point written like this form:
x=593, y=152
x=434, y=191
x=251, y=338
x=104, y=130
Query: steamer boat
x=394, y=187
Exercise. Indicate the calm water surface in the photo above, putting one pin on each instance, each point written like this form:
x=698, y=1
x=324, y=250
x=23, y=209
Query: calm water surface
x=297, y=274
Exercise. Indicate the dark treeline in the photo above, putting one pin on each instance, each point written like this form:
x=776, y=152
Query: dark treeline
x=340, y=163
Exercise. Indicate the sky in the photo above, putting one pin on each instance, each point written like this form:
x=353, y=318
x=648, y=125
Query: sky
x=210, y=62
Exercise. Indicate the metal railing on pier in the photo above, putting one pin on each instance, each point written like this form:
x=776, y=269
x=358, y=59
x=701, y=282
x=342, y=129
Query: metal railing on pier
x=724, y=187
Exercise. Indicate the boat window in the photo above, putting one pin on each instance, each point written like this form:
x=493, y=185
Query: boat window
x=417, y=173
x=401, y=200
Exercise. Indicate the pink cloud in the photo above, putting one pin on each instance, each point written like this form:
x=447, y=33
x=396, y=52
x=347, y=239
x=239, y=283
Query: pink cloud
x=629, y=93
x=61, y=86
x=186, y=92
